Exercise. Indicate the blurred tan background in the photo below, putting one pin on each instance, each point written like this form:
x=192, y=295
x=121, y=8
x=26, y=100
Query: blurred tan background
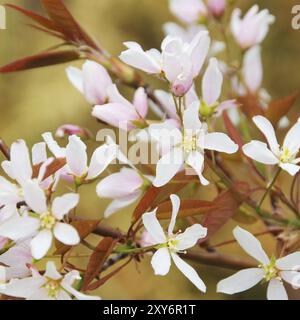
x=40, y=100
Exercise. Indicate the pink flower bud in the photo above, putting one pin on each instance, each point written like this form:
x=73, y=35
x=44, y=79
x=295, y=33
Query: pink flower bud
x=216, y=7
x=71, y=129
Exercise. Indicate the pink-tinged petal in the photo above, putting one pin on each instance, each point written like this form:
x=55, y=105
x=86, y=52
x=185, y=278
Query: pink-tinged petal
x=216, y=7
x=121, y=203
x=226, y=105
x=17, y=228
x=66, y=234
x=189, y=272
x=251, y=245
x=241, y=281
x=140, y=101
x=120, y=184
x=75, y=77
x=189, y=11
x=252, y=69
x=51, y=271
x=34, y=196
x=117, y=115
x=116, y=97
x=71, y=129
x=96, y=80
x=39, y=153
x=64, y=204
x=190, y=237
x=175, y=209
x=23, y=288
x=220, y=142
x=259, y=151
x=76, y=156
x=289, y=262
x=291, y=168
x=276, y=290
x=136, y=57
x=153, y=226
x=198, y=51
x=265, y=126
x=161, y=262
x=53, y=146
x=41, y=244
x=212, y=82
x=168, y=166
x=235, y=23
x=196, y=161
x=20, y=161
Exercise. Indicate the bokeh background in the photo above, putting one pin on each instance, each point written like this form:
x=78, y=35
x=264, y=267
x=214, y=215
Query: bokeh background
x=40, y=100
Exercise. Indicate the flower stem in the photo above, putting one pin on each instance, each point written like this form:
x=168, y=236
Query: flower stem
x=269, y=189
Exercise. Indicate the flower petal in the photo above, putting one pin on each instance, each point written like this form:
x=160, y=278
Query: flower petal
x=291, y=168
x=53, y=145
x=259, y=151
x=212, y=82
x=291, y=141
x=251, y=245
x=266, y=127
x=41, y=244
x=75, y=77
x=252, y=69
x=140, y=102
x=190, y=237
x=39, y=153
x=220, y=142
x=120, y=203
x=153, y=226
x=175, y=208
x=191, y=119
x=276, y=290
x=189, y=272
x=64, y=204
x=289, y=262
x=161, y=262
x=168, y=166
x=20, y=161
x=196, y=161
x=34, y=196
x=241, y=281
x=291, y=277
x=76, y=156
x=51, y=271
x=66, y=234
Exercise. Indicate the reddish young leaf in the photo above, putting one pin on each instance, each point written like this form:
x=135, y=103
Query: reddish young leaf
x=280, y=108
x=83, y=227
x=62, y=17
x=250, y=106
x=97, y=259
x=54, y=166
x=41, y=60
x=96, y=284
x=233, y=132
x=45, y=22
x=227, y=205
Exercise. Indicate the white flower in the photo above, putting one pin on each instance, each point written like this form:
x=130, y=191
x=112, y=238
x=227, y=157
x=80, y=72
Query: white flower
x=76, y=157
x=50, y=286
x=170, y=244
x=19, y=168
x=179, y=62
x=44, y=223
x=92, y=81
x=253, y=28
x=285, y=157
x=186, y=146
x=125, y=187
x=269, y=270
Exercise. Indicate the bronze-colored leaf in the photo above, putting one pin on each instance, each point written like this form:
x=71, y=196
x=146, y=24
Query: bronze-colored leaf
x=41, y=60
x=250, y=105
x=233, y=132
x=97, y=259
x=83, y=227
x=280, y=108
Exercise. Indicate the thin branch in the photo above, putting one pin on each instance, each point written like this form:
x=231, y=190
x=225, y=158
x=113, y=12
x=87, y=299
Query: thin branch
x=4, y=149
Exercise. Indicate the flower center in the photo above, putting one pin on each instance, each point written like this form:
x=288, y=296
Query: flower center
x=53, y=288
x=47, y=220
x=207, y=111
x=189, y=143
x=286, y=156
x=270, y=271
x=172, y=243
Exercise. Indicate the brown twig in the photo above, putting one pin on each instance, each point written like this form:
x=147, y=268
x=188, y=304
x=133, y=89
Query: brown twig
x=4, y=149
